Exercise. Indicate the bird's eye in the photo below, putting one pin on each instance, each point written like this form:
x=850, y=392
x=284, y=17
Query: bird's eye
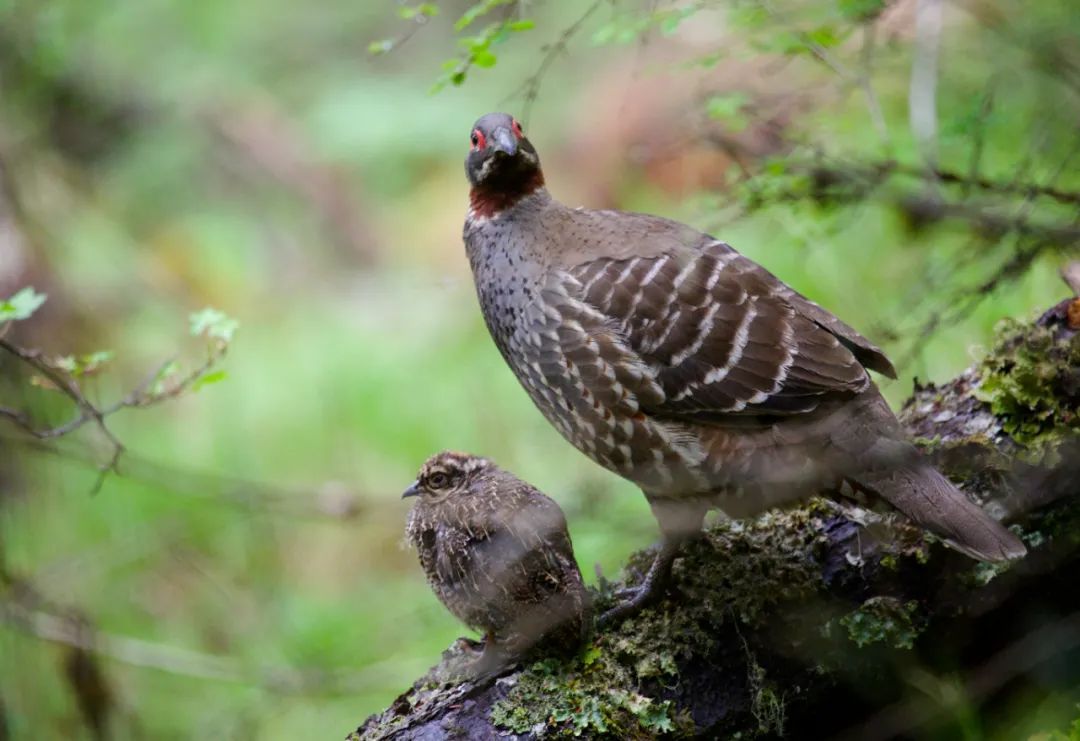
x=438, y=480
x=517, y=129
x=477, y=140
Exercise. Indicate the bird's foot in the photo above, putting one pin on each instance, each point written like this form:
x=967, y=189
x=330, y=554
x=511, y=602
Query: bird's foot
x=655, y=585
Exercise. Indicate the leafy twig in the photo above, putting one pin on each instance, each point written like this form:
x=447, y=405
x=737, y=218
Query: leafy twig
x=62, y=374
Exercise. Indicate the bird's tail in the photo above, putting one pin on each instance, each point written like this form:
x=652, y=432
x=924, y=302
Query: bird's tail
x=928, y=498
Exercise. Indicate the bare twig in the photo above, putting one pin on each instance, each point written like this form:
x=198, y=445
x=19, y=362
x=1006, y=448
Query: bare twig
x=23, y=611
x=866, y=64
x=324, y=501
x=531, y=87
x=979, y=136
x=856, y=182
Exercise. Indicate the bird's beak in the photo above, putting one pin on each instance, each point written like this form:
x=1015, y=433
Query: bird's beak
x=412, y=491
x=504, y=141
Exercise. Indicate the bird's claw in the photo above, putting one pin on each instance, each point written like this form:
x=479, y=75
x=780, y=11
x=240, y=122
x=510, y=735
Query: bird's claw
x=651, y=589
x=633, y=600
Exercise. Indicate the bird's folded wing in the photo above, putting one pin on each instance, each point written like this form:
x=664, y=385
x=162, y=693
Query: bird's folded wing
x=527, y=549
x=720, y=336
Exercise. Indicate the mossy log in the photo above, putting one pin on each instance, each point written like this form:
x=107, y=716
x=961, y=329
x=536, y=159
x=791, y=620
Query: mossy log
x=825, y=621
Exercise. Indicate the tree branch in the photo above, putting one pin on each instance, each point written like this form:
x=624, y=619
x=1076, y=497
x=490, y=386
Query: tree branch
x=824, y=606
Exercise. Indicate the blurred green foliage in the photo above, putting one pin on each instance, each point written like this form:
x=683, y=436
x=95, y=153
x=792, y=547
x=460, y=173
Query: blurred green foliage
x=287, y=163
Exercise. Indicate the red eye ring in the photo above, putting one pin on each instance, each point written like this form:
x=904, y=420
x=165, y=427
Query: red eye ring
x=517, y=128
x=478, y=140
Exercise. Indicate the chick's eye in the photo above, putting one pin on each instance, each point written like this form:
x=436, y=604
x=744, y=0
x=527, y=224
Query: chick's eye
x=477, y=140
x=517, y=129
x=438, y=480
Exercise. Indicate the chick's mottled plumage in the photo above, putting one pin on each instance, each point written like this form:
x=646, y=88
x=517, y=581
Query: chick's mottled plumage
x=497, y=553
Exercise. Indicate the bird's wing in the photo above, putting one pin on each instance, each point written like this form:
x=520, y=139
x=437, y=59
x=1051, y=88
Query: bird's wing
x=526, y=546
x=718, y=336
x=453, y=555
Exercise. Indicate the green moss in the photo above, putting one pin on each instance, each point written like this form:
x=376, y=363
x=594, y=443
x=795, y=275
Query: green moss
x=1029, y=380
x=740, y=571
x=737, y=571
x=766, y=702
x=592, y=696
x=883, y=620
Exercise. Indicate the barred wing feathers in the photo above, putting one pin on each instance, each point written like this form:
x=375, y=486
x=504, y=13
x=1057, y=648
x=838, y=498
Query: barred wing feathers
x=723, y=337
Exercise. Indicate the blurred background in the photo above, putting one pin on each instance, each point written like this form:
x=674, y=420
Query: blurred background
x=909, y=165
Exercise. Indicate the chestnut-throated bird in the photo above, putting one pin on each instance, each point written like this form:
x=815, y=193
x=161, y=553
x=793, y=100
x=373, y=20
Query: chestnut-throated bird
x=672, y=360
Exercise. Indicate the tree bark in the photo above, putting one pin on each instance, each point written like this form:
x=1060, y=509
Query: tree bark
x=825, y=621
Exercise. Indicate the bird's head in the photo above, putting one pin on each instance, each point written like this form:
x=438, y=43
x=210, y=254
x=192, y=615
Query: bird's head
x=502, y=164
x=449, y=474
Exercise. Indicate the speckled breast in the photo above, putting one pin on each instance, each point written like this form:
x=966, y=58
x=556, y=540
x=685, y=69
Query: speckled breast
x=587, y=388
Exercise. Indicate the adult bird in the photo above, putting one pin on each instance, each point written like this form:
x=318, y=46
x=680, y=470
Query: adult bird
x=672, y=360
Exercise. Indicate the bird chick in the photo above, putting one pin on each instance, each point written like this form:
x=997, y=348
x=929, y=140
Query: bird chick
x=497, y=554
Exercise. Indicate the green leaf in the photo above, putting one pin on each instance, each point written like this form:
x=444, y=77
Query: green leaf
x=214, y=324
x=784, y=42
x=523, y=25
x=775, y=167
x=860, y=10
x=381, y=46
x=825, y=36
x=484, y=58
x=83, y=365
x=22, y=305
x=477, y=10
x=164, y=376
x=476, y=44
x=751, y=16
x=669, y=20
x=208, y=379
x=591, y=655
x=423, y=10
x=708, y=61
x=623, y=29
x=729, y=108
x=605, y=34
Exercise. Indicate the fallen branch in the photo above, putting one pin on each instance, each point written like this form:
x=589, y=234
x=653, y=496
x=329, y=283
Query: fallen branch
x=817, y=608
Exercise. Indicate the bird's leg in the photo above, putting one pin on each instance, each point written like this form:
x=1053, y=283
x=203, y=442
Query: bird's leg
x=651, y=588
x=679, y=523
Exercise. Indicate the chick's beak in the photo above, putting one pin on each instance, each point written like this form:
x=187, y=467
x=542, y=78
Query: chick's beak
x=412, y=491
x=503, y=140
